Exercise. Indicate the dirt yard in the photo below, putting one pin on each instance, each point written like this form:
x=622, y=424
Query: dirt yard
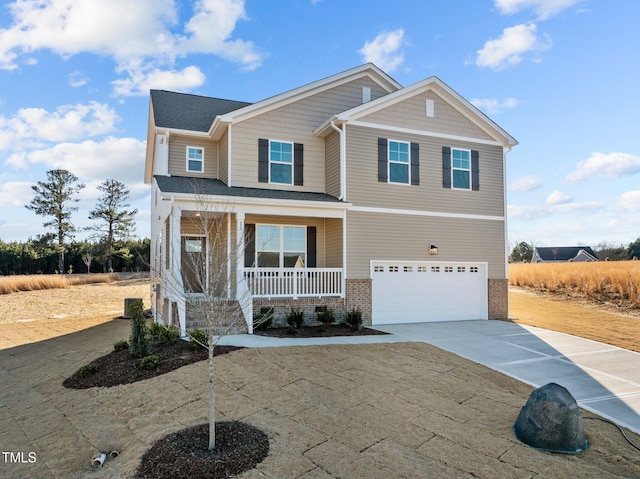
x=377, y=411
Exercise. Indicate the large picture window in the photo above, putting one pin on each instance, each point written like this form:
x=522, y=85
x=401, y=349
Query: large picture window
x=280, y=246
x=461, y=168
x=281, y=162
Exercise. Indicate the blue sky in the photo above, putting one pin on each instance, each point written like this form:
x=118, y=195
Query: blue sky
x=560, y=76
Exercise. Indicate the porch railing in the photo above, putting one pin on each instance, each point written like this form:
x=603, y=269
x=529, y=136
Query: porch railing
x=294, y=282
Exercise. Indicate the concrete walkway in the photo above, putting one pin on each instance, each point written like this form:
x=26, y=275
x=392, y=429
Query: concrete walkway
x=604, y=379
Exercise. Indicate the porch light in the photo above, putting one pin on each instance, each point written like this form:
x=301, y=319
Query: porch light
x=433, y=249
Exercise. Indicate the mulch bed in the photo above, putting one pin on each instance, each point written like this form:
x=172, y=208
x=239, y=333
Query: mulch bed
x=185, y=454
x=317, y=332
x=120, y=367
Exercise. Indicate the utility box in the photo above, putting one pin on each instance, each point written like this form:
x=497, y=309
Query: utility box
x=127, y=303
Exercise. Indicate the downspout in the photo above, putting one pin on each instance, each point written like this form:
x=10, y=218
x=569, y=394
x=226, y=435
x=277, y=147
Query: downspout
x=343, y=159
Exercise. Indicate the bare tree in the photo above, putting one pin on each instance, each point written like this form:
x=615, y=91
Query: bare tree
x=203, y=273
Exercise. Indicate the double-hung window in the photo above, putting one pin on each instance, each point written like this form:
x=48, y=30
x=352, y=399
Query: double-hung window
x=280, y=246
x=461, y=168
x=195, y=159
x=399, y=171
x=281, y=162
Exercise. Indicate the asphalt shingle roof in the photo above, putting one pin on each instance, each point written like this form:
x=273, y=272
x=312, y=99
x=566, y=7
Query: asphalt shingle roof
x=184, y=111
x=562, y=253
x=209, y=186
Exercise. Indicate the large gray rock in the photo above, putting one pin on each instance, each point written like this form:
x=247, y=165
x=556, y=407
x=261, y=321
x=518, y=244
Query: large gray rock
x=551, y=421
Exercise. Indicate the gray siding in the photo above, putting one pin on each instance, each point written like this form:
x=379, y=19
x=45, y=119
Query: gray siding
x=412, y=114
x=223, y=161
x=333, y=242
x=178, y=156
x=380, y=236
x=332, y=164
x=294, y=122
x=364, y=189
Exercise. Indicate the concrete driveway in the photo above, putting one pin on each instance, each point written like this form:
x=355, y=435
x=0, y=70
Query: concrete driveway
x=604, y=379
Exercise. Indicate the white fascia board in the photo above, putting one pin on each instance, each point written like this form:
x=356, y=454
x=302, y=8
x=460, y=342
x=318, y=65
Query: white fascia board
x=261, y=205
x=179, y=131
x=264, y=106
x=433, y=134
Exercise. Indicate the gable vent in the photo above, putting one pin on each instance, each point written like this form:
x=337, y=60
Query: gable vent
x=366, y=94
x=431, y=108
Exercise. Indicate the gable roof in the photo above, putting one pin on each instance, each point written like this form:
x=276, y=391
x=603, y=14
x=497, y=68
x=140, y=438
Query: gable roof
x=183, y=111
x=442, y=89
x=563, y=253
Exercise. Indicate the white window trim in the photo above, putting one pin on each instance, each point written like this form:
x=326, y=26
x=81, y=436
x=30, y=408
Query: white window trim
x=201, y=148
x=389, y=161
x=453, y=168
x=281, y=228
x=282, y=162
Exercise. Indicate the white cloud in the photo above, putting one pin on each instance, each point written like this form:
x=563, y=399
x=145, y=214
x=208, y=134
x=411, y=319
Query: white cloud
x=15, y=193
x=508, y=50
x=118, y=158
x=493, y=105
x=611, y=165
x=526, y=183
x=558, y=198
x=149, y=35
x=543, y=8
x=139, y=82
x=629, y=201
x=384, y=50
x=33, y=126
x=77, y=79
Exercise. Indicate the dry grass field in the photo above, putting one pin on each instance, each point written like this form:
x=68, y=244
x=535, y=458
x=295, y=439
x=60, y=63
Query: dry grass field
x=614, y=282
x=35, y=282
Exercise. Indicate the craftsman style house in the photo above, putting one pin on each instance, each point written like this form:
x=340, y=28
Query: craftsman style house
x=349, y=192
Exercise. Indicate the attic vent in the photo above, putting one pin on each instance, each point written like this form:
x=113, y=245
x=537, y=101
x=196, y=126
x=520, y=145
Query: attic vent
x=366, y=94
x=430, y=108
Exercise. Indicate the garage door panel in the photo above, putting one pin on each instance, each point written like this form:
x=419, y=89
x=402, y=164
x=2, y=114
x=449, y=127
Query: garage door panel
x=427, y=291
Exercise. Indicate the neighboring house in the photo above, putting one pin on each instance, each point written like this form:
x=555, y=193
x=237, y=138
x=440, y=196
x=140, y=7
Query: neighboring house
x=349, y=192
x=562, y=254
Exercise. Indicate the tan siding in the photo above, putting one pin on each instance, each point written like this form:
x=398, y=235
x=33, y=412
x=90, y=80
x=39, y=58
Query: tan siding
x=332, y=171
x=294, y=122
x=412, y=114
x=296, y=221
x=381, y=236
x=178, y=156
x=333, y=242
x=223, y=148
x=364, y=189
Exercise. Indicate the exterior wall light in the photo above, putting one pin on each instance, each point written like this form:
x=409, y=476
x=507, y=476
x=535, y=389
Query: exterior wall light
x=433, y=249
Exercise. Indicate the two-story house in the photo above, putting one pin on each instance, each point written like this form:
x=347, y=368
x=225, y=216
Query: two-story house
x=349, y=192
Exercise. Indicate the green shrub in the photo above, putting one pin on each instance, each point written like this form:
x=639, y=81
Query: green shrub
x=121, y=345
x=155, y=330
x=149, y=362
x=199, y=339
x=354, y=319
x=263, y=319
x=164, y=334
x=295, y=318
x=139, y=340
x=88, y=370
x=326, y=316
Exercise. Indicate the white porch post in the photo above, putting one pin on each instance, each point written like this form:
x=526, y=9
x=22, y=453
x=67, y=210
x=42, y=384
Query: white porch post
x=176, y=267
x=239, y=250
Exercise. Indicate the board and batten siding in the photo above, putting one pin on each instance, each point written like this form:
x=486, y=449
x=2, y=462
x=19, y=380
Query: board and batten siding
x=178, y=156
x=332, y=164
x=411, y=114
x=364, y=189
x=294, y=122
x=380, y=236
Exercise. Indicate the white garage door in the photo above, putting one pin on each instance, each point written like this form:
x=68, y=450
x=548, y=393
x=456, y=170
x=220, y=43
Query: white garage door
x=422, y=291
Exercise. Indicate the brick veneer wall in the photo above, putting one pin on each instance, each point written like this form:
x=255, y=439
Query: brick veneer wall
x=358, y=295
x=498, y=299
x=282, y=307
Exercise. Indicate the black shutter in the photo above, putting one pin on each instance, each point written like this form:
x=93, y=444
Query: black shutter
x=382, y=160
x=263, y=160
x=415, y=163
x=298, y=164
x=475, y=170
x=311, y=247
x=446, y=167
x=249, y=245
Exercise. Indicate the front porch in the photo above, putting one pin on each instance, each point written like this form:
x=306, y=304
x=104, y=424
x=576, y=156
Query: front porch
x=295, y=283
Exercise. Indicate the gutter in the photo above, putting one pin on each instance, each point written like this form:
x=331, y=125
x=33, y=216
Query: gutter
x=343, y=158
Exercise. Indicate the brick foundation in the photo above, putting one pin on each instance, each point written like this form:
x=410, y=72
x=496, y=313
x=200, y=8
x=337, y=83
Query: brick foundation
x=499, y=299
x=282, y=307
x=358, y=295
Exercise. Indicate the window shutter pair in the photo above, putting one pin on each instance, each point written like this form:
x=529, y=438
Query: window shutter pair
x=383, y=159
x=250, y=246
x=263, y=162
x=446, y=168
